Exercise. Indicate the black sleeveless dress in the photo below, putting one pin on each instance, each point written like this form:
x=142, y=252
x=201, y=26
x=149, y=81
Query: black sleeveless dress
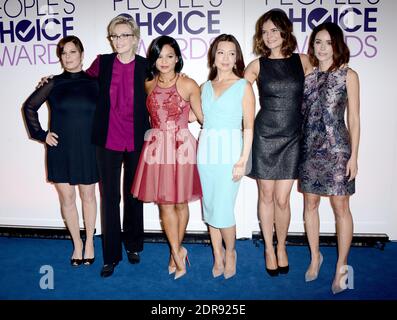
x=277, y=128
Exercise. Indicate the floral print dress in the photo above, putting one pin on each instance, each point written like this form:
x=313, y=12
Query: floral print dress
x=326, y=141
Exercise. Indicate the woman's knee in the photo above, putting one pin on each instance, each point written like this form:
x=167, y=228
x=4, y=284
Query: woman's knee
x=67, y=198
x=68, y=202
x=281, y=198
x=282, y=202
x=181, y=207
x=311, y=203
x=340, y=206
x=266, y=194
x=88, y=195
x=166, y=210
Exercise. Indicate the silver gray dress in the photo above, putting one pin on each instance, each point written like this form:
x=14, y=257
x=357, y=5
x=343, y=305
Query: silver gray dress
x=277, y=128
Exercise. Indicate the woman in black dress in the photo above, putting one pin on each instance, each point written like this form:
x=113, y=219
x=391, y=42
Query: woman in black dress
x=71, y=159
x=279, y=74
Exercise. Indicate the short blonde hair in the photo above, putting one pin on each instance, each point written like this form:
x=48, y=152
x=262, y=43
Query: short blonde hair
x=129, y=21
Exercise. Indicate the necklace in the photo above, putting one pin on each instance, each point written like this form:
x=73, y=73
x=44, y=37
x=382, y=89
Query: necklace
x=168, y=80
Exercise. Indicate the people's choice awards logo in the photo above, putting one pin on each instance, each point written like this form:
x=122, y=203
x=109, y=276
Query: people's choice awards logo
x=359, y=21
x=192, y=23
x=164, y=23
x=29, y=30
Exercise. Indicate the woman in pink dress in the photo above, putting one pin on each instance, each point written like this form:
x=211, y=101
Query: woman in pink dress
x=167, y=170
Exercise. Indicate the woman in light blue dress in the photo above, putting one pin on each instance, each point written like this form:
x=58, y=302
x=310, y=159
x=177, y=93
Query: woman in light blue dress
x=228, y=103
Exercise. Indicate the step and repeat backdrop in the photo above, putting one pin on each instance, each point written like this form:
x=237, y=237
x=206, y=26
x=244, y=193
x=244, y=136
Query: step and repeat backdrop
x=30, y=30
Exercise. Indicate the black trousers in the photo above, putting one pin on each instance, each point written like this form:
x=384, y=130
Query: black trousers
x=109, y=165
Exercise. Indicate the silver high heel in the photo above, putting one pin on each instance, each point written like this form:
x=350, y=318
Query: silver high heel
x=171, y=269
x=337, y=289
x=218, y=272
x=181, y=273
x=231, y=273
x=311, y=277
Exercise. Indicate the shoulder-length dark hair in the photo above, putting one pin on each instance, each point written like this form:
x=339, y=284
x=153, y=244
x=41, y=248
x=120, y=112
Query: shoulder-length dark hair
x=154, y=53
x=341, y=53
x=240, y=65
x=281, y=21
x=61, y=44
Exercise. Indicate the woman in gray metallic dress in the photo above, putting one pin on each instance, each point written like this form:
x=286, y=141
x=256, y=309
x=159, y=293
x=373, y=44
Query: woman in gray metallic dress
x=279, y=74
x=329, y=149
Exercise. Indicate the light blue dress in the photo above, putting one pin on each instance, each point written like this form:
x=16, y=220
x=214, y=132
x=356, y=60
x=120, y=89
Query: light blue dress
x=220, y=146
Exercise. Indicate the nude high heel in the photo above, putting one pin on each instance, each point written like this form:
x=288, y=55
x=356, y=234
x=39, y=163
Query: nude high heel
x=182, y=272
x=336, y=287
x=311, y=277
x=217, y=272
x=232, y=271
x=171, y=269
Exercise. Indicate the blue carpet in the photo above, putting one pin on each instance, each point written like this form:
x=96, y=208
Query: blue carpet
x=375, y=274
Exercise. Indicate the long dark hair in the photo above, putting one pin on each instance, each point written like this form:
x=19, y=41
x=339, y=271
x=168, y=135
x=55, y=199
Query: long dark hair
x=281, y=21
x=239, y=70
x=154, y=53
x=341, y=52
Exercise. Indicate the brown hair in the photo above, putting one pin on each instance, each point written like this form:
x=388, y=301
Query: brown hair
x=341, y=53
x=61, y=44
x=281, y=21
x=238, y=70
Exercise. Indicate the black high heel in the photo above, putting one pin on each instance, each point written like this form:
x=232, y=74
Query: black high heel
x=272, y=272
x=76, y=262
x=88, y=261
x=283, y=270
